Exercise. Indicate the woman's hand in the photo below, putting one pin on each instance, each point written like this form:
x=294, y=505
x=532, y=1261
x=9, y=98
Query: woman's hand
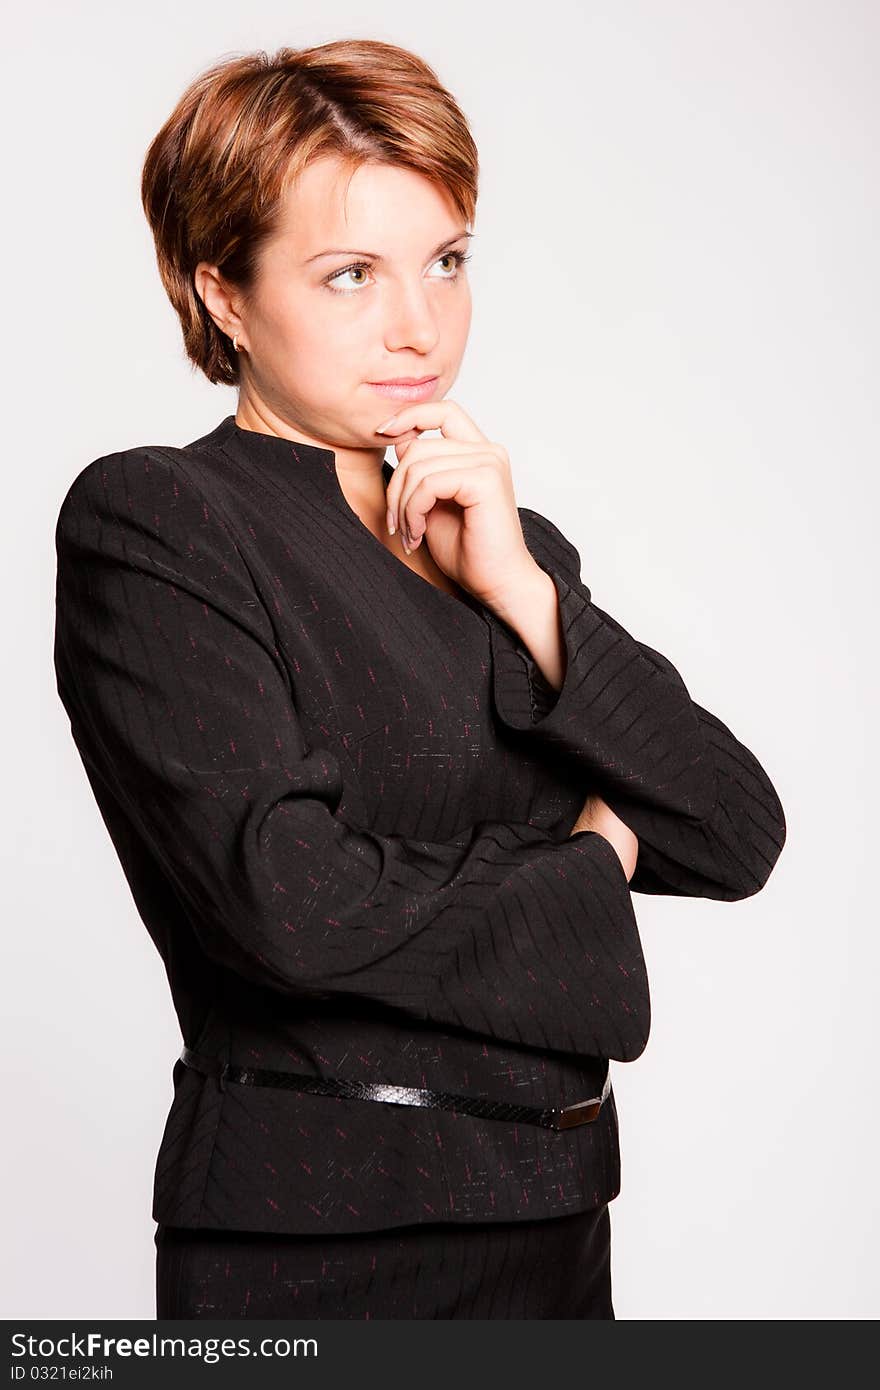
x=457, y=492
x=597, y=815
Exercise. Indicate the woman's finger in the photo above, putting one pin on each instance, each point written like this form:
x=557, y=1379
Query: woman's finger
x=445, y=415
x=468, y=485
x=420, y=451
x=409, y=477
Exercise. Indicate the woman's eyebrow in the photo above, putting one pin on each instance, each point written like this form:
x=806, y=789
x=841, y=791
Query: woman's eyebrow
x=375, y=256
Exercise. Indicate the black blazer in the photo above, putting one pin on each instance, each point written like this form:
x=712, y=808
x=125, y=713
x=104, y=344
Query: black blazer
x=342, y=800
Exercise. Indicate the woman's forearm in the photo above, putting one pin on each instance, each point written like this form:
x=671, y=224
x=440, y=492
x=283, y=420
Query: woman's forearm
x=530, y=607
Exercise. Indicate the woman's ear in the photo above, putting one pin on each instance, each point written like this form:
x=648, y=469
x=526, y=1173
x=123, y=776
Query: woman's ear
x=217, y=298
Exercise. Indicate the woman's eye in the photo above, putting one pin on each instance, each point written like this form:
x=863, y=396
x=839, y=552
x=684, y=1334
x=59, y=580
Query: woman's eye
x=456, y=257
x=349, y=270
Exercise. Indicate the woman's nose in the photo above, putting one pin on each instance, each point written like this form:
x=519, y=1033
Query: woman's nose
x=410, y=321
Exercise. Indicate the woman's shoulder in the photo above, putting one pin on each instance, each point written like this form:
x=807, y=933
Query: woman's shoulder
x=134, y=476
x=144, y=511
x=137, y=460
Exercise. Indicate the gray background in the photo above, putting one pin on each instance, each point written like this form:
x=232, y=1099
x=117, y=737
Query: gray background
x=675, y=336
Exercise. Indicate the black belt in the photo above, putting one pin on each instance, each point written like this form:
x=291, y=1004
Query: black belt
x=580, y=1113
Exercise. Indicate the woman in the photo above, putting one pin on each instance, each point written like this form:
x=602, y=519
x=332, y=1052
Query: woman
x=380, y=774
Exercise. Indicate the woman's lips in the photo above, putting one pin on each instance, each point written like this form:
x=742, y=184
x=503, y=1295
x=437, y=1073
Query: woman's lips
x=400, y=391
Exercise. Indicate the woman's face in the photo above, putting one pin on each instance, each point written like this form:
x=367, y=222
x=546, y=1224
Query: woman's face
x=359, y=285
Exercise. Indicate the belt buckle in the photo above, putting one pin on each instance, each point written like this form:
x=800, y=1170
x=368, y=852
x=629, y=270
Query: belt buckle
x=581, y=1113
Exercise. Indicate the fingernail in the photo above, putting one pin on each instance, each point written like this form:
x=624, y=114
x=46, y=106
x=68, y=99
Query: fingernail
x=382, y=428
x=389, y=521
x=403, y=542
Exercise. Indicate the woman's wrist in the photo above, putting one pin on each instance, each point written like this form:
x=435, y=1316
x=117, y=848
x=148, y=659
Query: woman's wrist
x=599, y=818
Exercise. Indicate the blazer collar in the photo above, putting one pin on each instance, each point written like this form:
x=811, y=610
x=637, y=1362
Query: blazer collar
x=299, y=467
x=306, y=473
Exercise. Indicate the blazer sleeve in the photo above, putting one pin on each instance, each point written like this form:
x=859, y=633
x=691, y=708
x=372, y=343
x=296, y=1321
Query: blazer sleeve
x=167, y=665
x=708, y=819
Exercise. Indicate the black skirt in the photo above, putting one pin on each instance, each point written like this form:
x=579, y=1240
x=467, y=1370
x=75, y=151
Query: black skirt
x=555, y=1268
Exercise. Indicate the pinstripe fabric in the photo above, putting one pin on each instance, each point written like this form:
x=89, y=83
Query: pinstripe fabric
x=559, y=1268
x=341, y=798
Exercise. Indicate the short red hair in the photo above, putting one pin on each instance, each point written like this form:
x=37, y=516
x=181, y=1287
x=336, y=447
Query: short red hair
x=215, y=176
